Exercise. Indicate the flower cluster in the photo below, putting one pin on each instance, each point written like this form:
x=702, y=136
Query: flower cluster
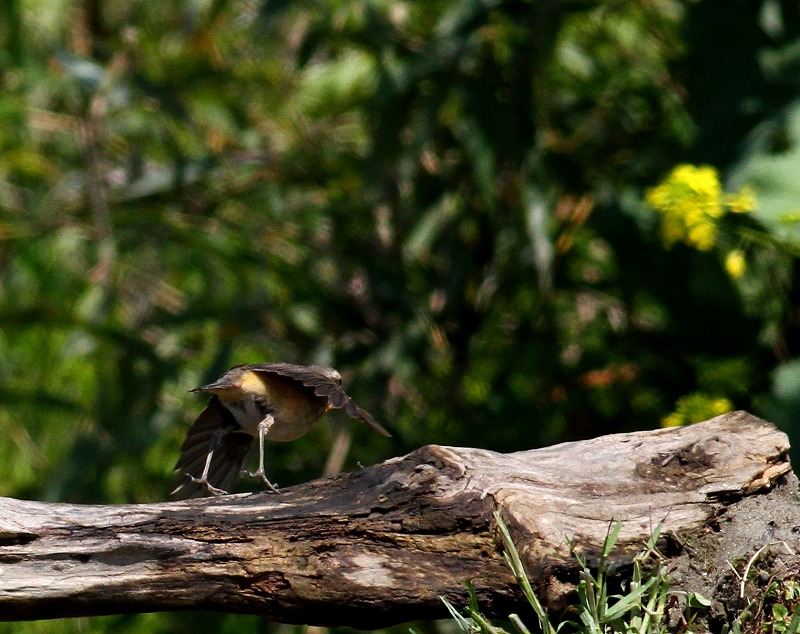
x=695, y=408
x=691, y=202
x=735, y=263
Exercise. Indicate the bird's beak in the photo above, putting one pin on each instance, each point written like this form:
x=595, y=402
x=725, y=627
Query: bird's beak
x=216, y=386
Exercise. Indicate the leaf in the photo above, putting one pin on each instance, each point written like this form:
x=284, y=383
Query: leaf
x=611, y=540
x=698, y=601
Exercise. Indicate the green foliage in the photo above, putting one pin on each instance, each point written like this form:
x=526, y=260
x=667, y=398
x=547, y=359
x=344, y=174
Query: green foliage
x=445, y=200
x=641, y=607
x=640, y=610
x=775, y=607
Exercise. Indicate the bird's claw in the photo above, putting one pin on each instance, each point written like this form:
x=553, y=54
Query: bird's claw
x=203, y=482
x=260, y=475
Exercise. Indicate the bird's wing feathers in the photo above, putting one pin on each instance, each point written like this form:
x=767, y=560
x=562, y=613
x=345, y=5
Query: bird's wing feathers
x=229, y=454
x=323, y=386
x=354, y=411
x=307, y=376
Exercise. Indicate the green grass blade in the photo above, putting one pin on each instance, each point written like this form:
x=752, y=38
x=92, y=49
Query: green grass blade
x=515, y=563
x=610, y=541
x=464, y=624
x=517, y=622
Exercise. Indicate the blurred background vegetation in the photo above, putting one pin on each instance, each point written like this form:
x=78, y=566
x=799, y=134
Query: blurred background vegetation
x=472, y=209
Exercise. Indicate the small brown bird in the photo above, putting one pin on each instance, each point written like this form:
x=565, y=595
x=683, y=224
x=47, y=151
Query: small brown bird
x=274, y=401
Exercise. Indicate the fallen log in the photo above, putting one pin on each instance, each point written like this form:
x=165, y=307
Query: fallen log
x=381, y=545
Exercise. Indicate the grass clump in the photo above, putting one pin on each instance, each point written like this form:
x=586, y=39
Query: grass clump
x=640, y=609
x=642, y=604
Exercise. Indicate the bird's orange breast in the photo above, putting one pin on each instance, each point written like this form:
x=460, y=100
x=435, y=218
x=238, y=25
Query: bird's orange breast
x=296, y=408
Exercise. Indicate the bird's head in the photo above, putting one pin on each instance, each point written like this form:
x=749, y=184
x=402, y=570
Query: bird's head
x=236, y=384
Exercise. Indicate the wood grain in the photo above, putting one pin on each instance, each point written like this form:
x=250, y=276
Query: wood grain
x=383, y=544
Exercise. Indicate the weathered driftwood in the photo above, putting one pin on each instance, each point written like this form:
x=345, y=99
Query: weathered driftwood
x=383, y=544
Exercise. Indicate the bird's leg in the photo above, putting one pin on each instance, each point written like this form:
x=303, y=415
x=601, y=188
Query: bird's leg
x=263, y=428
x=203, y=479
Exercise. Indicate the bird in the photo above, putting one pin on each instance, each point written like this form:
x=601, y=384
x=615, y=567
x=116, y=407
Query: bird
x=267, y=401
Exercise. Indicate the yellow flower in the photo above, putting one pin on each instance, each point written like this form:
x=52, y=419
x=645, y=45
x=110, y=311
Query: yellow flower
x=702, y=235
x=720, y=406
x=742, y=201
x=672, y=420
x=694, y=408
x=691, y=201
x=735, y=264
x=672, y=230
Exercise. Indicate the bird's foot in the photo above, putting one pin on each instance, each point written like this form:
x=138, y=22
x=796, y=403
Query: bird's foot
x=203, y=482
x=260, y=475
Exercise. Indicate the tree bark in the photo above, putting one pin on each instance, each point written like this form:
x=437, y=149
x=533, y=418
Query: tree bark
x=381, y=545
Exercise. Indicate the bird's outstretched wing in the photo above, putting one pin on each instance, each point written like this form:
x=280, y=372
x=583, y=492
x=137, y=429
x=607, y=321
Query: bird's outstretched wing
x=323, y=386
x=228, y=458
